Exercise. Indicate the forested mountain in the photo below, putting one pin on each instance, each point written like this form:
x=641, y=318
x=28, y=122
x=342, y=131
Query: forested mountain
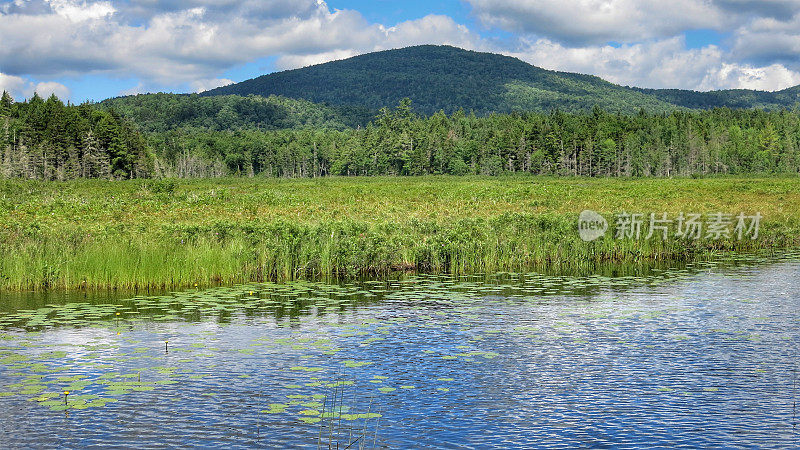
x=349, y=93
x=733, y=98
x=477, y=113
x=447, y=78
x=163, y=112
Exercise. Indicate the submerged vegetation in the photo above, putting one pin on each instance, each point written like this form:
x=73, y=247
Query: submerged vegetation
x=143, y=234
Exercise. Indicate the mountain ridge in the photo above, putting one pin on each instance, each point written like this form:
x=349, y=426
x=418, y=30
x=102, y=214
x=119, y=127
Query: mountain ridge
x=449, y=78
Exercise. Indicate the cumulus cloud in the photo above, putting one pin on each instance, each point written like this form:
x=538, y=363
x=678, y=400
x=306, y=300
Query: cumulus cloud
x=759, y=8
x=140, y=88
x=658, y=64
x=11, y=84
x=47, y=88
x=170, y=43
x=210, y=83
x=580, y=22
x=586, y=22
x=193, y=41
x=80, y=12
x=766, y=78
x=762, y=51
x=769, y=40
x=287, y=62
x=432, y=29
x=21, y=87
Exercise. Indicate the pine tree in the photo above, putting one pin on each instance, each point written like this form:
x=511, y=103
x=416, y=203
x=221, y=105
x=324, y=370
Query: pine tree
x=6, y=101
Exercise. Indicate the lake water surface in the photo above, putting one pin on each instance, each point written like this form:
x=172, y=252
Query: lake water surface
x=700, y=357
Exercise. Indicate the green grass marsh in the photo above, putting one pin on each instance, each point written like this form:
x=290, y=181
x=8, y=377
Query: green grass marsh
x=162, y=234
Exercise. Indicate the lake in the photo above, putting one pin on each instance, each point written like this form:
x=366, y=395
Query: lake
x=699, y=356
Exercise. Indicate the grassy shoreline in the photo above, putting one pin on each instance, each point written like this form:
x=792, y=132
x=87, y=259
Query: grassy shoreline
x=167, y=234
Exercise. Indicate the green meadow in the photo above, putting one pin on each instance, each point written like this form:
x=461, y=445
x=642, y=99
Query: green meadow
x=162, y=234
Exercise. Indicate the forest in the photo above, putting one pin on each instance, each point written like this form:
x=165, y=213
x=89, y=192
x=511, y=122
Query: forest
x=50, y=140
x=163, y=112
x=444, y=78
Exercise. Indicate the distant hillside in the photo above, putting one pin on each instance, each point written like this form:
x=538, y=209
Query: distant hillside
x=447, y=78
x=733, y=98
x=165, y=112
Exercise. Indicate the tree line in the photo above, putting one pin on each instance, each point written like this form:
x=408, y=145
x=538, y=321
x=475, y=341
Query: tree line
x=46, y=139
x=50, y=140
x=599, y=144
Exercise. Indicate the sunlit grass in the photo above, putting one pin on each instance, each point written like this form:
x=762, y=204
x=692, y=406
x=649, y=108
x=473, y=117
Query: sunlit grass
x=165, y=234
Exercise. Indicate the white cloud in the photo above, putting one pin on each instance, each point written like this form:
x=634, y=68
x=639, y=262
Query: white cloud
x=768, y=40
x=593, y=22
x=193, y=41
x=759, y=8
x=575, y=35
x=11, y=84
x=172, y=43
x=659, y=64
x=140, y=88
x=209, y=83
x=582, y=22
x=768, y=78
x=287, y=62
x=431, y=29
x=81, y=11
x=20, y=87
x=47, y=88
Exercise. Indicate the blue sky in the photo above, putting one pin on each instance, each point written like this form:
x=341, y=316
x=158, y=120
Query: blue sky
x=95, y=49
